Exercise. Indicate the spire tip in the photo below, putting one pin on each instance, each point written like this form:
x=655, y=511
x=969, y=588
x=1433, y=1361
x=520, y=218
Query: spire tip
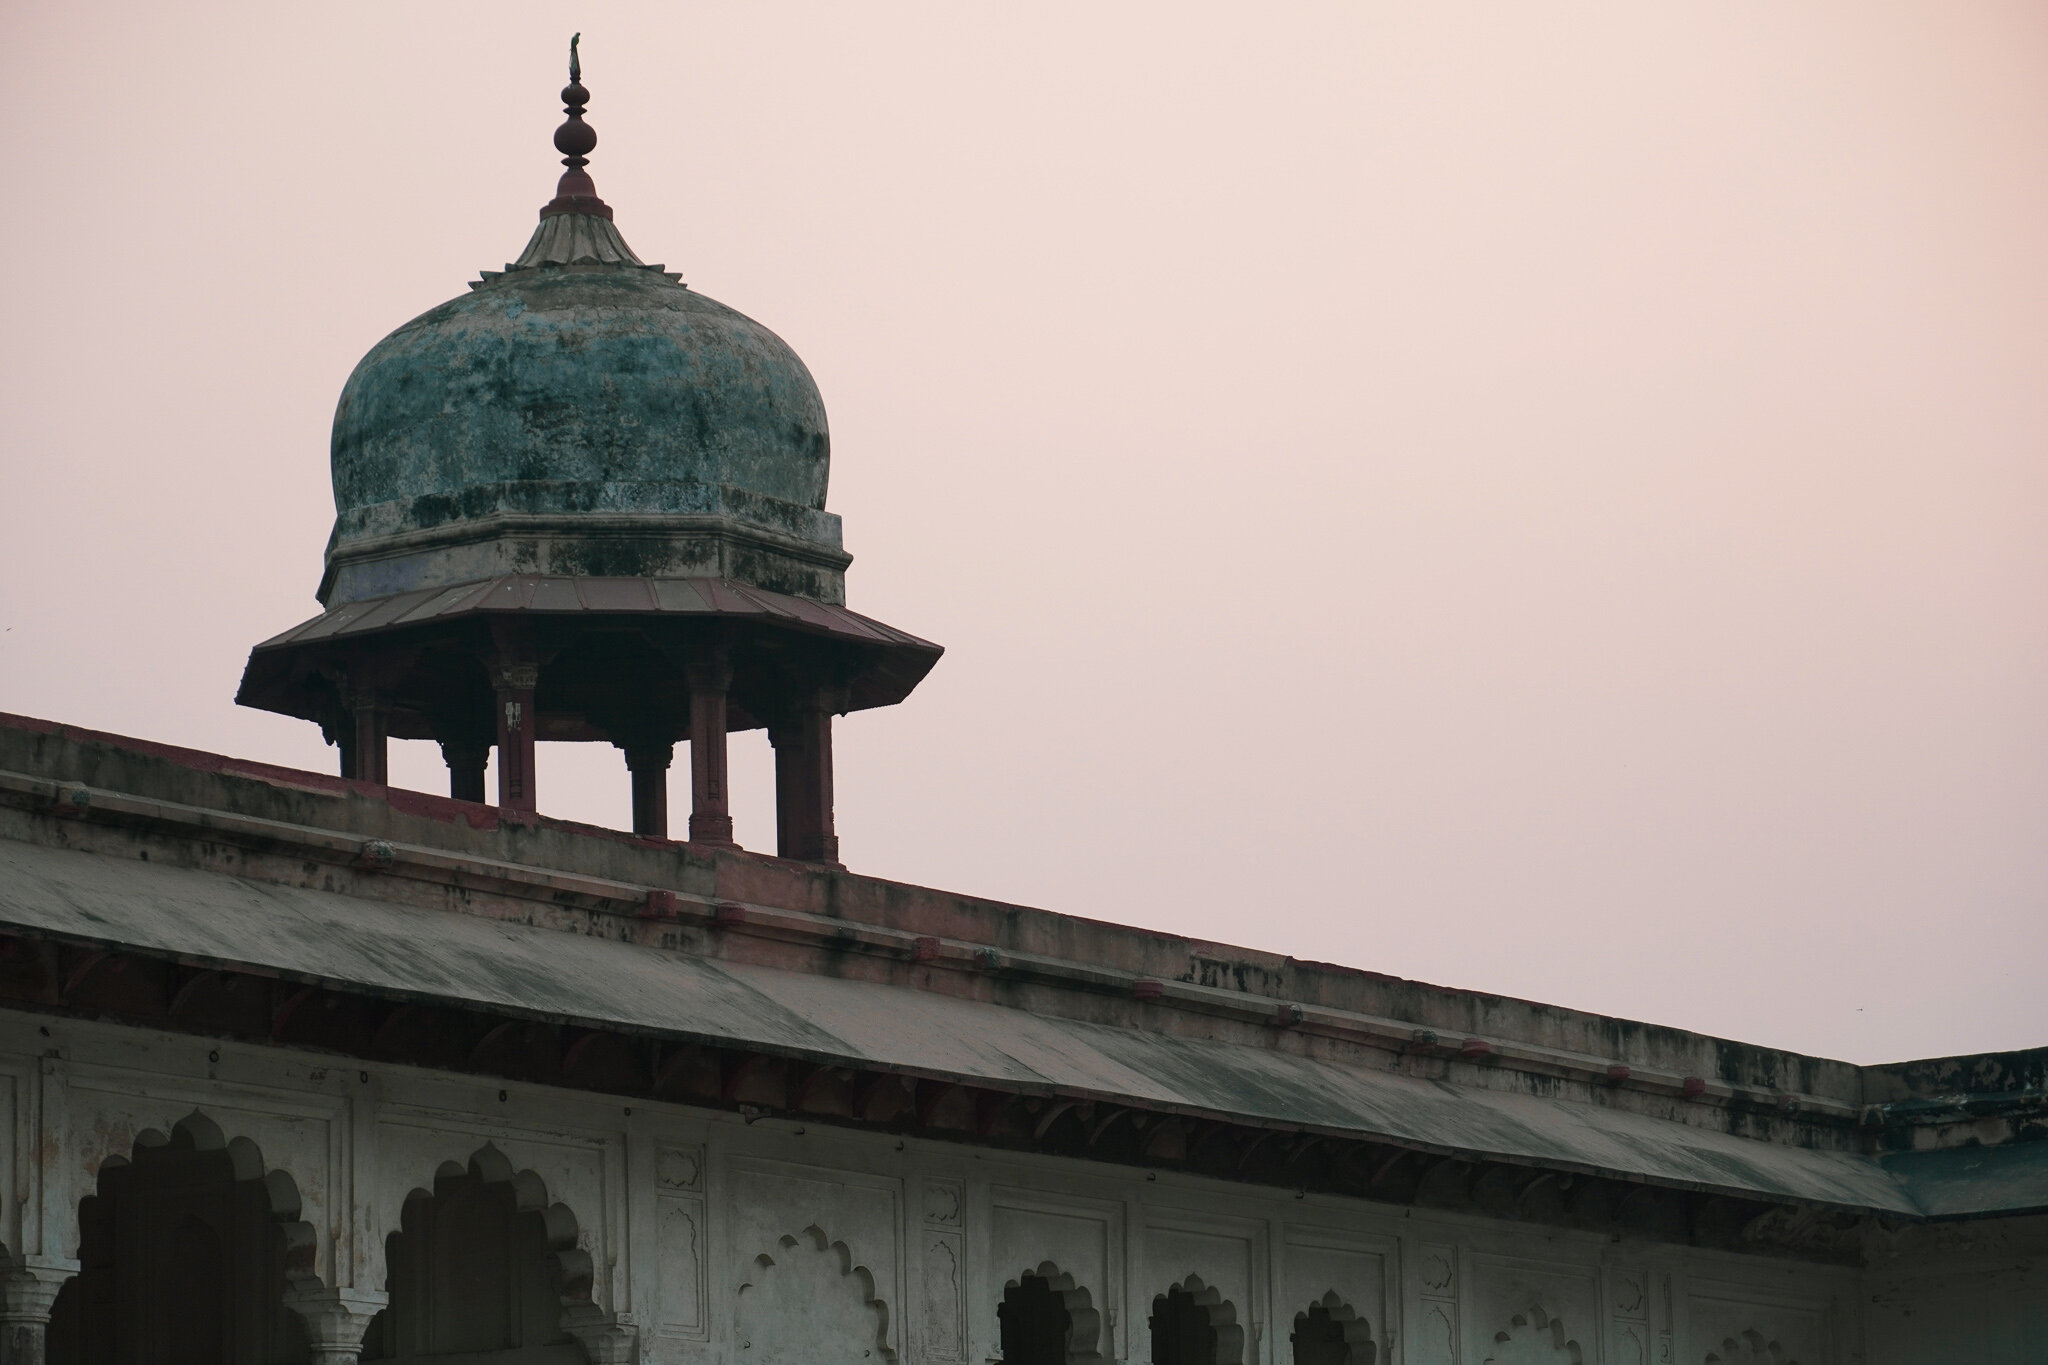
x=575, y=139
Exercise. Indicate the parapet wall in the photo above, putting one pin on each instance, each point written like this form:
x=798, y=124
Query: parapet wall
x=1026, y=956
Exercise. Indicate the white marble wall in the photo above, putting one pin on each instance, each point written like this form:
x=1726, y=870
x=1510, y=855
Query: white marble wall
x=787, y=1242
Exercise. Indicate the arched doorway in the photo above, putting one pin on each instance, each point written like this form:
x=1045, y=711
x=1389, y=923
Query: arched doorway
x=1194, y=1325
x=1330, y=1333
x=183, y=1252
x=478, y=1269
x=1047, y=1319
x=1034, y=1324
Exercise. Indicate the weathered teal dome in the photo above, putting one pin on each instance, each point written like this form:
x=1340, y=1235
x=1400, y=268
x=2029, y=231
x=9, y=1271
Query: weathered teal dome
x=595, y=386
x=581, y=413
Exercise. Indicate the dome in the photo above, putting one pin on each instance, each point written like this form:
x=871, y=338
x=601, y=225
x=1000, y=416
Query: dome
x=584, y=503
x=581, y=413
x=572, y=388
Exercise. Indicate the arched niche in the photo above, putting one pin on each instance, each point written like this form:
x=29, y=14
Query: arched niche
x=483, y=1266
x=1535, y=1337
x=1330, y=1332
x=1047, y=1319
x=1749, y=1348
x=1193, y=1324
x=806, y=1300
x=189, y=1249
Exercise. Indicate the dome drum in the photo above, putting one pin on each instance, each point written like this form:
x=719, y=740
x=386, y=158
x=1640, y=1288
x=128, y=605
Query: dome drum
x=647, y=530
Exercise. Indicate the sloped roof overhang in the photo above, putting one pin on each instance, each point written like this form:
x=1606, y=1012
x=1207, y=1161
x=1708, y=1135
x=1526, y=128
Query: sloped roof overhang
x=520, y=970
x=878, y=664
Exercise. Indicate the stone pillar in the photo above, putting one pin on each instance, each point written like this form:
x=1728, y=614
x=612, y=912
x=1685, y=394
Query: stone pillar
x=342, y=735
x=803, y=782
x=710, y=815
x=371, y=754
x=27, y=1293
x=516, y=722
x=649, y=765
x=335, y=1319
x=467, y=763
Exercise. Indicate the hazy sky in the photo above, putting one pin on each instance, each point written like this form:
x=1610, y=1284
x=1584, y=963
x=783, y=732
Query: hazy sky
x=1543, y=498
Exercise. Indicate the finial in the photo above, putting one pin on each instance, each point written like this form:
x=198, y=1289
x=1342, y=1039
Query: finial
x=577, y=192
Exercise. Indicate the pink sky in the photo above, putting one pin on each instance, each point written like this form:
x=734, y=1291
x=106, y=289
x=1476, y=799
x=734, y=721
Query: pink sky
x=1550, y=499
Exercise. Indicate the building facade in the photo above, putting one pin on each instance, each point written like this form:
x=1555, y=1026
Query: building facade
x=304, y=1068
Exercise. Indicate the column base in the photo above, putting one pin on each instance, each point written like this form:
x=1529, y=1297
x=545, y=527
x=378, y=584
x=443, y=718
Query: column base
x=715, y=830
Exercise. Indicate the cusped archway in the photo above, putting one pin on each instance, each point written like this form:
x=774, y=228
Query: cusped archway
x=1193, y=1324
x=189, y=1248
x=1750, y=1347
x=807, y=1299
x=1045, y=1318
x=1535, y=1337
x=1330, y=1332
x=484, y=1265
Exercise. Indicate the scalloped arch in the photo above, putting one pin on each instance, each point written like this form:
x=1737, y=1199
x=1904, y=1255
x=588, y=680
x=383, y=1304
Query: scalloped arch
x=1535, y=1335
x=839, y=1258
x=221, y=1225
x=1360, y=1348
x=568, y=1268
x=1084, y=1321
x=1750, y=1348
x=1219, y=1312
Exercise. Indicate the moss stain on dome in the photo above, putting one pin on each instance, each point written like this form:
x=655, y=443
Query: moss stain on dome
x=592, y=386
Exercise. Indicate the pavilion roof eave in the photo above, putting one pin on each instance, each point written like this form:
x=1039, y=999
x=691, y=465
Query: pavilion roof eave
x=885, y=664
x=565, y=596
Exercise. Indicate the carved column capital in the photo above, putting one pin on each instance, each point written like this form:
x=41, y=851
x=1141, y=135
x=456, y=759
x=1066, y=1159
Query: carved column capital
x=27, y=1290
x=516, y=677
x=607, y=1338
x=335, y=1319
x=649, y=758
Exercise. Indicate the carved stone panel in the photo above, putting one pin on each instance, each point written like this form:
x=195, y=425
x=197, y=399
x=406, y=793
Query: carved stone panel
x=679, y=1242
x=1628, y=1307
x=942, y=1203
x=1733, y=1324
x=584, y=1172
x=1223, y=1258
x=1436, y=1334
x=1081, y=1240
x=945, y=1296
x=1523, y=1311
x=808, y=1212
x=1349, y=1285
x=807, y=1299
x=1436, y=1268
x=1434, y=1337
x=297, y=1134
x=1631, y=1344
x=1533, y=1336
x=678, y=1168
